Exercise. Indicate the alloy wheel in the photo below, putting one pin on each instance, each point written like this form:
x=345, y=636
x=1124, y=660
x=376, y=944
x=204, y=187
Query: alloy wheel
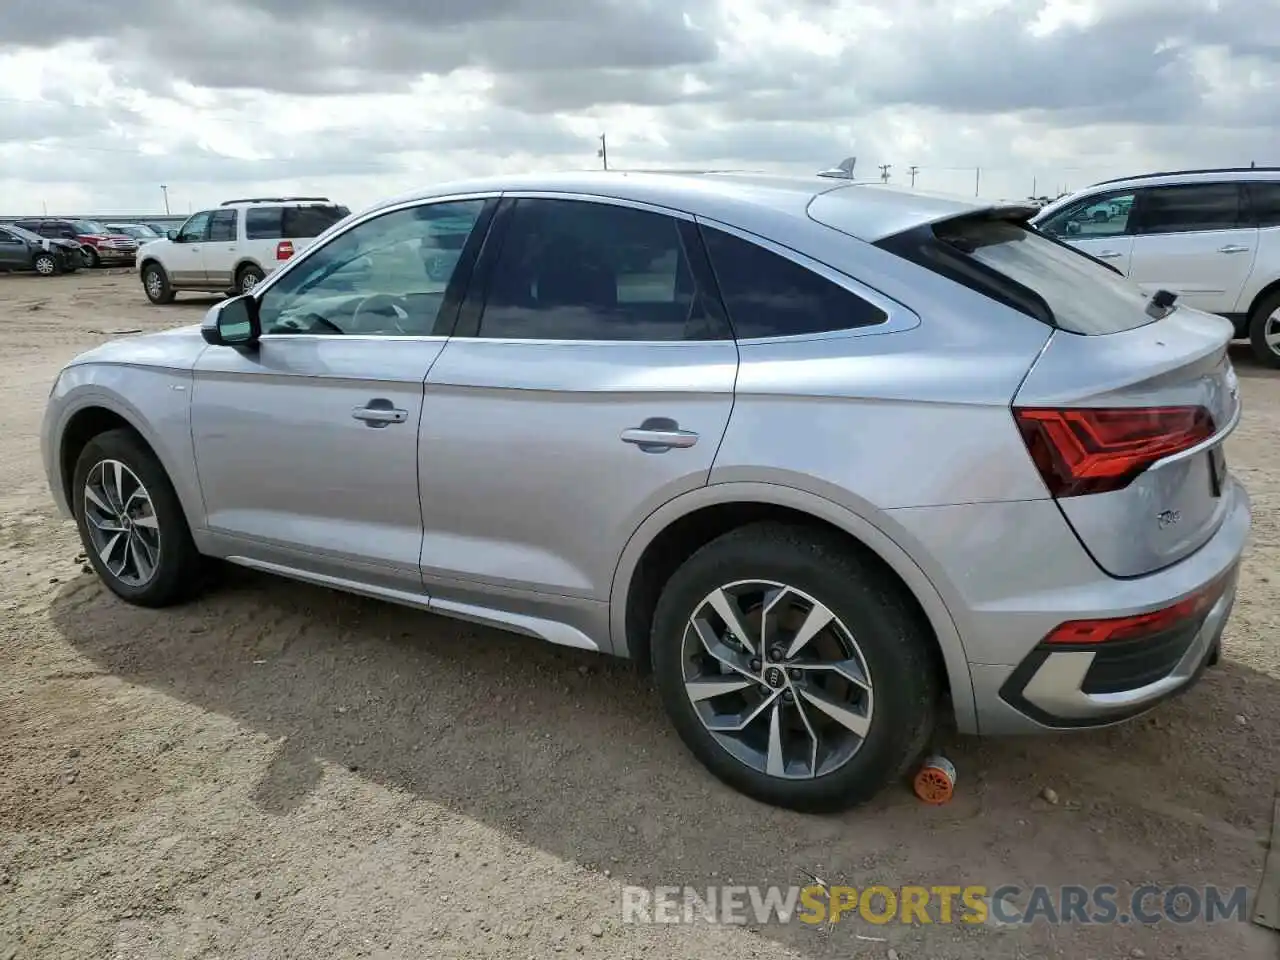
x=45, y=266
x=777, y=679
x=155, y=284
x=1271, y=332
x=122, y=524
x=248, y=281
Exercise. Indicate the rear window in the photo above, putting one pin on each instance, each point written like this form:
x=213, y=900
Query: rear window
x=1021, y=268
x=291, y=223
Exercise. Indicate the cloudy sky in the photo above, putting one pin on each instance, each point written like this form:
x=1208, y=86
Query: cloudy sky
x=101, y=103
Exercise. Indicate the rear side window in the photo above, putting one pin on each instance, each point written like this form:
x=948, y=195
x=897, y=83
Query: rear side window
x=770, y=296
x=1264, y=203
x=1023, y=269
x=263, y=223
x=1189, y=207
x=311, y=221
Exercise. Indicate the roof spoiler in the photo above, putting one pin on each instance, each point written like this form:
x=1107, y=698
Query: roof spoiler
x=842, y=170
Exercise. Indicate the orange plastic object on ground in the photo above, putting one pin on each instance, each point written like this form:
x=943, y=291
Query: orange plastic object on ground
x=936, y=780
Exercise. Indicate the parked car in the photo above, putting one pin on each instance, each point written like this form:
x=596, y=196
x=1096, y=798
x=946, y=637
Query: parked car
x=829, y=459
x=234, y=247
x=99, y=245
x=23, y=250
x=1210, y=236
x=140, y=232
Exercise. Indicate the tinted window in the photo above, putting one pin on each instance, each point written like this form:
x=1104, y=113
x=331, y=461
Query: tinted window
x=1105, y=216
x=263, y=223
x=1189, y=207
x=90, y=228
x=376, y=279
x=1264, y=202
x=7, y=237
x=222, y=225
x=1017, y=266
x=311, y=221
x=578, y=270
x=195, y=228
x=770, y=296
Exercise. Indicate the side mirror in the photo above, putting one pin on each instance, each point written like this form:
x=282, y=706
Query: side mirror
x=233, y=323
x=172, y=235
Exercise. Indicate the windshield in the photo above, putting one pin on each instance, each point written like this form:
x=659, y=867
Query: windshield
x=136, y=230
x=90, y=228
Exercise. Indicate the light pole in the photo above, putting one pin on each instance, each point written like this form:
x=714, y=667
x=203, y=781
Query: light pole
x=603, y=152
x=165, y=191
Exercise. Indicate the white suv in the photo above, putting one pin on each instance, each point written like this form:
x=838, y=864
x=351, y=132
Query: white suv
x=233, y=247
x=1210, y=236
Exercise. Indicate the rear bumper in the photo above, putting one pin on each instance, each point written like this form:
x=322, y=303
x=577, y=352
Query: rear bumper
x=1013, y=572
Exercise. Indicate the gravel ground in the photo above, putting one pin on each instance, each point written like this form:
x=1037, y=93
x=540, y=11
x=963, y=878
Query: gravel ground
x=276, y=771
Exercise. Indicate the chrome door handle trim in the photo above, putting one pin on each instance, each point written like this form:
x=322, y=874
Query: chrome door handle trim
x=658, y=440
x=1109, y=255
x=379, y=416
x=1233, y=248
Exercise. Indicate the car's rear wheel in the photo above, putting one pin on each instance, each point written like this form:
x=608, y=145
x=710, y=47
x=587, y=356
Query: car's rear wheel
x=131, y=522
x=1264, y=331
x=156, y=284
x=794, y=668
x=248, y=278
x=45, y=264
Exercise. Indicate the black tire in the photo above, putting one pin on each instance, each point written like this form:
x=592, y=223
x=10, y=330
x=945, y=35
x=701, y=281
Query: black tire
x=90, y=257
x=1258, y=323
x=177, y=572
x=45, y=264
x=894, y=643
x=155, y=284
x=248, y=277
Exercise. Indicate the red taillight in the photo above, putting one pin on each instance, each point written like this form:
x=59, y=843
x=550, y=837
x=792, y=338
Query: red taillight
x=1140, y=624
x=284, y=250
x=1081, y=450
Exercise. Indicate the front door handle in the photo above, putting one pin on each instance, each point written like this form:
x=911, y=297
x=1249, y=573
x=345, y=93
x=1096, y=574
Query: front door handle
x=1233, y=248
x=1110, y=255
x=380, y=413
x=658, y=435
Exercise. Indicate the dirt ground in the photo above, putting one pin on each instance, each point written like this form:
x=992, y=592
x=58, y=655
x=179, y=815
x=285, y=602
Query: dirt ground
x=276, y=771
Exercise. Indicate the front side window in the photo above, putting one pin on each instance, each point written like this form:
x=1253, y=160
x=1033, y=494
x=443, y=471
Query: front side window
x=1106, y=216
x=770, y=296
x=375, y=279
x=222, y=225
x=195, y=229
x=1187, y=208
x=581, y=270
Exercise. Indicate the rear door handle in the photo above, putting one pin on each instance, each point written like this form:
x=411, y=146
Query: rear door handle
x=659, y=434
x=379, y=413
x=1233, y=248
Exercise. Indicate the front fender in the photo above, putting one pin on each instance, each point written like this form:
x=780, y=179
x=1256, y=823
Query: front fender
x=126, y=391
x=868, y=533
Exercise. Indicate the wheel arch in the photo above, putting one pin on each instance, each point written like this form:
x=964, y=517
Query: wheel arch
x=672, y=532
x=1270, y=290
x=247, y=262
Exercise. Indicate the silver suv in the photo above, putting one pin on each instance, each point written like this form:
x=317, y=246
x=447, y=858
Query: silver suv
x=829, y=459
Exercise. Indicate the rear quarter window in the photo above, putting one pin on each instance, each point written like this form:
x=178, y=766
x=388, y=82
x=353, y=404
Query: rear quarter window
x=1016, y=265
x=310, y=221
x=263, y=223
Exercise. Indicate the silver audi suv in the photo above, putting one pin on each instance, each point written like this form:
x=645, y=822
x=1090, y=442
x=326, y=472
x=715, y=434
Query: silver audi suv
x=831, y=460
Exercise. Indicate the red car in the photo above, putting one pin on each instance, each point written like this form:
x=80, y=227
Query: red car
x=99, y=245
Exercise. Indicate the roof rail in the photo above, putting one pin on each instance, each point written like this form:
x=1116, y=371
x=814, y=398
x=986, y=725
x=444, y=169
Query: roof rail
x=1175, y=173
x=227, y=203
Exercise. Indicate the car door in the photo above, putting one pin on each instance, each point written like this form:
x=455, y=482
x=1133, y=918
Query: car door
x=1195, y=240
x=1098, y=225
x=184, y=260
x=588, y=383
x=307, y=446
x=218, y=252
x=14, y=253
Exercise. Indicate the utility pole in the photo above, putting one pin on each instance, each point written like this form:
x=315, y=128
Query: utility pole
x=884, y=172
x=603, y=152
x=1033, y=186
x=165, y=191
x=913, y=170
x=977, y=179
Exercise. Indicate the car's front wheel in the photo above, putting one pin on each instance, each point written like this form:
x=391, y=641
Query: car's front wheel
x=1264, y=331
x=156, y=284
x=90, y=256
x=45, y=264
x=794, y=668
x=131, y=522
